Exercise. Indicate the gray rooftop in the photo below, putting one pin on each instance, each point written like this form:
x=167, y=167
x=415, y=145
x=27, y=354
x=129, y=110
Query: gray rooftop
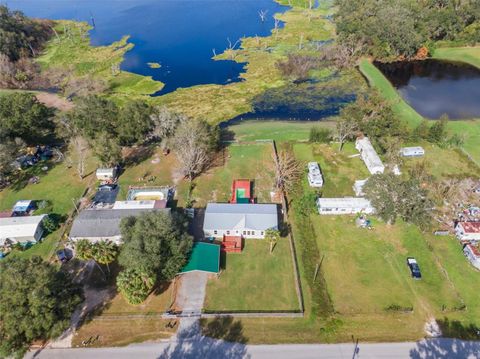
x=103, y=223
x=226, y=216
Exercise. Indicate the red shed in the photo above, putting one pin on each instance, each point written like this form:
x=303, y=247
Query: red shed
x=241, y=191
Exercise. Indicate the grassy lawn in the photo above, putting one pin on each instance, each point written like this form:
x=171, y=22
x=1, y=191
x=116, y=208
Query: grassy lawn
x=59, y=186
x=73, y=51
x=251, y=130
x=120, y=332
x=339, y=169
x=255, y=280
x=156, y=303
x=469, y=55
x=468, y=128
x=251, y=161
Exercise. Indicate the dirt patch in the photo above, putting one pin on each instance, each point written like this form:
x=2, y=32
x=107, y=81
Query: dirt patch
x=54, y=101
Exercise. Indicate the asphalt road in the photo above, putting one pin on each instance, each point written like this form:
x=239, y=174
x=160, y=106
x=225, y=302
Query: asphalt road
x=197, y=346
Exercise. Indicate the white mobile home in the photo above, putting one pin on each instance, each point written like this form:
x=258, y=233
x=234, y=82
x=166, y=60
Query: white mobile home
x=248, y=220
x=412, y=151
x=26, y=229
x=315, y=178
x=473, y=255
x=468, y=231
x=345, y=205
x=369, y=156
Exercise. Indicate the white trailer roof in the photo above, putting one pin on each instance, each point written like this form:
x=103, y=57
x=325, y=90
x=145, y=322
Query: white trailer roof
x=15, y=227
x=344, y=202
x=369, y=155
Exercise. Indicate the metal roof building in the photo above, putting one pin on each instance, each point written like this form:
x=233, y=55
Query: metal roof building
x=21, y=229
x=205, y=257
x=345, y=205
x=412, y=151
x=247, y=220
x=369, y=156
x=103, y=224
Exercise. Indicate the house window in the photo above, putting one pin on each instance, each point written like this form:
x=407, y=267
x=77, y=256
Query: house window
x=215, y=232
x=244, y=232
x=262, y=233
x=253, y=233
x=228, y=232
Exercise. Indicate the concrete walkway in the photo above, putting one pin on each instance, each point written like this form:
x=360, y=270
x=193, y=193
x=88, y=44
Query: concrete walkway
x=190, y=299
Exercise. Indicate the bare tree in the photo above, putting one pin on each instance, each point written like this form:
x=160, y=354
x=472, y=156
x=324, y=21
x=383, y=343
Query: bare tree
x=193, y=146
x=263, y=15
x=345, y=130
x=287, y=170
x=80, y=147
x=165, y=122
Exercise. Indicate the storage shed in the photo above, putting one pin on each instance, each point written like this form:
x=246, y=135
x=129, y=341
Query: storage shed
x=106, y=174
x=412, y=151
x=345, y=205
x=205, y=257
x=369, y=156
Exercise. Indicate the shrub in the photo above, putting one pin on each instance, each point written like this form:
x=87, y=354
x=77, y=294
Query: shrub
x=135, y=284
x=320, y=135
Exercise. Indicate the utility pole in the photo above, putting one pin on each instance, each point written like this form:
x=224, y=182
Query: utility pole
x=356, y=349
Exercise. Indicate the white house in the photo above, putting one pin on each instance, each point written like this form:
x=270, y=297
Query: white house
x=358, y=187
x=473, y=255
x=412, y=151
x=26, y=229
x=468, y=231
x=315, y=178
x=369, y=156
x=105, y=174
x=345, y=205
x=248, y=220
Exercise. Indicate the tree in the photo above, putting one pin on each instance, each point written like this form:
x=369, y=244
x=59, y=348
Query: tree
x=320, y=135
x=155, y=241
x=287, y=170
x=9, y=150
x=107, y=149
x=134, y=123
x=438, y=131
x=165, y=122
x=135, y=284
x=102, y=252
x=393, y=197
x=105, y=253
x=36, y=303
x=80, y=148
x=272, y=236
x=345, y=130
x=194, y=144
x=23, y=116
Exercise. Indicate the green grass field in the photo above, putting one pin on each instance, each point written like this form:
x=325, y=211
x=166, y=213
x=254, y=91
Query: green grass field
x=251, y=130
x=249, y=161
x=60, y=187
x=255, y=280
x=470, y=55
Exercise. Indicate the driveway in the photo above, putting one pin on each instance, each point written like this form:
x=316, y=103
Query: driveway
x=191, y=293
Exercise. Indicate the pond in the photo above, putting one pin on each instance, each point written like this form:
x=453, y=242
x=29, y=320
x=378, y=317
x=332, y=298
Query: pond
x=180, y=35
x=435, y=88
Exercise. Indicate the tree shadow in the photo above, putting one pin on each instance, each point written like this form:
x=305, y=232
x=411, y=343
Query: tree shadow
x=445, y=348
x=191, y=343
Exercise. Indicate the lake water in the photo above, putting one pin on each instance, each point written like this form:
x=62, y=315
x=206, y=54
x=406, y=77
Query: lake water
x=178, y=34
x=435, y=88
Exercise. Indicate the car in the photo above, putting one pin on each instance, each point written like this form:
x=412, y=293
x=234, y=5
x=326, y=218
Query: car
x=107, y=187
x=64, y=255
x=414, y=268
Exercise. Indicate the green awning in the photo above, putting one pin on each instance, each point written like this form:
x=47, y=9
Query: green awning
x=205, y=257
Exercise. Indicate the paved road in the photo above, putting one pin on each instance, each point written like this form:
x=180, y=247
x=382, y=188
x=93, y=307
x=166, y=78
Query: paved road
x=196, y=346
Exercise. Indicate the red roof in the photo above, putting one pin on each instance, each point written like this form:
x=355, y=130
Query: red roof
x=243, y=184
x=160, y=204
x=470, y=227
x=474, y=249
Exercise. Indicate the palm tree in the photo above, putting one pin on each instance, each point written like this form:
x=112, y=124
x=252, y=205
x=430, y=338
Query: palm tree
x=272, y=235
x=105, y=253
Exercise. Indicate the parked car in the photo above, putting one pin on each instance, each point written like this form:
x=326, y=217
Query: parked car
x=414, y=268
x=64, y=255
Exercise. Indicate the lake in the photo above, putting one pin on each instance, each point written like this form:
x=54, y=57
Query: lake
x=180, y=35
x=435, y=88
